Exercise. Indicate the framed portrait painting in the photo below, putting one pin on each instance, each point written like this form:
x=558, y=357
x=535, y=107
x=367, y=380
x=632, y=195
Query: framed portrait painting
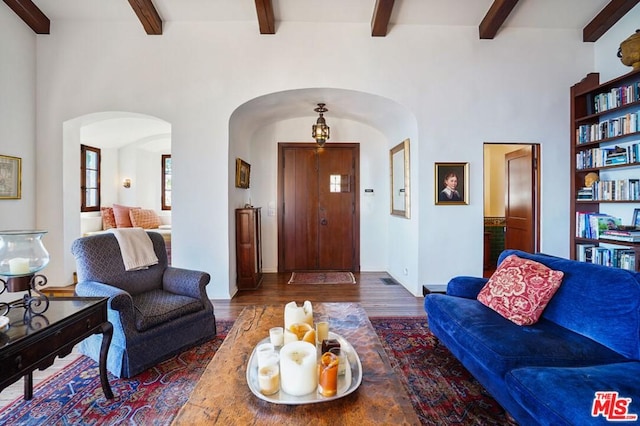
x=243, y=174
x=452, y=183
x=10, y=178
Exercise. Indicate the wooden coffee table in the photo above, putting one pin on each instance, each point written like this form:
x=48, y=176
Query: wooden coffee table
x=223, y=396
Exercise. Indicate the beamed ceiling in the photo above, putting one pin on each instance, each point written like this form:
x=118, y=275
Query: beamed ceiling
x=597, y=15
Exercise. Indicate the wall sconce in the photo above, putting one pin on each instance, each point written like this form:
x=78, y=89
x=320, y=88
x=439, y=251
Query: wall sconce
x=126, y=183
x=320, y=130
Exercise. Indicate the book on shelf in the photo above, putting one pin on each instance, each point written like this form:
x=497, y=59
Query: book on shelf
x=583, y=252
x=585, y=193
x=621, y=235
x=600, y=222
x=621, y=189
x=623, y=258
x=591, y=224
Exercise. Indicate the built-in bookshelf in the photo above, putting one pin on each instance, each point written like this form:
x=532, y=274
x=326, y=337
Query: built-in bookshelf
x=605, y=164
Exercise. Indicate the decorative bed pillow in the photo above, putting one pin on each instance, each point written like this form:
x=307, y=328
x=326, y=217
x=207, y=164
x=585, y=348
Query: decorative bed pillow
x=121, y=214
x=520, y=289
x=142, y=218
x=108, y=219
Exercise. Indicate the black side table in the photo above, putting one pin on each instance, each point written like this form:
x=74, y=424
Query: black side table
x=34, y=341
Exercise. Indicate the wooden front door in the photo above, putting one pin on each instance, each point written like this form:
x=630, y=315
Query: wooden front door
x=318, y=215
x=521, y=205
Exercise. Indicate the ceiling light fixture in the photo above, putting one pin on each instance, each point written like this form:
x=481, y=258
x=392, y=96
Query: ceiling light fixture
x=320, y=130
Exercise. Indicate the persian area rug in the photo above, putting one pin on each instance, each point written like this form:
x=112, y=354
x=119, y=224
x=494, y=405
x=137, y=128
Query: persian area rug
x=74, y=395
x=322, y=277
x=441, y=390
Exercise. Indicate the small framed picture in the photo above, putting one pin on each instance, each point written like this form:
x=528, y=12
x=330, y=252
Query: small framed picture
x=243, y=173
x=636, y=218
x=452, y=183
x=10, y=178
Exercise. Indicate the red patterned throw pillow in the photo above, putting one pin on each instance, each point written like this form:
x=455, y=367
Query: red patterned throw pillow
x=520, y=289
x=108, y=219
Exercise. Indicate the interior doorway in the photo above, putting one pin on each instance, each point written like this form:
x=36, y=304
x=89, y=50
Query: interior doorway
x=511, y=200
x=318, y=219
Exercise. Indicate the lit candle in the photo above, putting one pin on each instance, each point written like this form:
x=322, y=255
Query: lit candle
x=322, y=331
x=19, y=266
x=294, y=313
x=266, y=355
x=298, y=368
x=269, y=379
x=276, y=335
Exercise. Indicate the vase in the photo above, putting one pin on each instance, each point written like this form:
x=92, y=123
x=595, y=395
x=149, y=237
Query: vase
x=629, y=51
x=22, y=254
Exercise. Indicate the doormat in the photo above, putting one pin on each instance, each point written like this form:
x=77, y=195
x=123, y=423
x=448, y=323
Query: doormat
x=389, y=281
x=319, y=277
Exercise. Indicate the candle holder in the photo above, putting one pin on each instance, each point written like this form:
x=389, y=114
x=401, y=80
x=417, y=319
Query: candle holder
x=22, y=255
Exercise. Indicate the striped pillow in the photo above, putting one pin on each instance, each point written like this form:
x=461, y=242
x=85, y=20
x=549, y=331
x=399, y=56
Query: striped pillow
x=142, y=218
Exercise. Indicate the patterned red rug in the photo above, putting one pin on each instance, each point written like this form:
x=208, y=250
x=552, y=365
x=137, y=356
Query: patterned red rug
x=441, y=390
x=322, y=277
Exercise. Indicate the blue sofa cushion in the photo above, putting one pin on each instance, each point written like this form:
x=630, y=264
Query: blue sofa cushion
x=599, y=302
x=159, y=306
x=498, y=345
x=565, y=396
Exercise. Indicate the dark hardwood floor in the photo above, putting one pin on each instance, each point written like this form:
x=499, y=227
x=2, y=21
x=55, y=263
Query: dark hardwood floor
x=377, y=298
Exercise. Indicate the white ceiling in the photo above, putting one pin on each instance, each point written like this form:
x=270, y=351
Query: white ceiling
x=552, y=14
x=559, y=14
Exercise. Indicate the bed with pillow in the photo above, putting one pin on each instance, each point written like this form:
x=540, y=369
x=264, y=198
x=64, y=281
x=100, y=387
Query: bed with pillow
x=120, y=216
x=555, y=341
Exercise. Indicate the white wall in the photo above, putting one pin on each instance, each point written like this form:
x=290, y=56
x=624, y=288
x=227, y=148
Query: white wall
x=17, y=114
x=462, y=91
x=17, y=120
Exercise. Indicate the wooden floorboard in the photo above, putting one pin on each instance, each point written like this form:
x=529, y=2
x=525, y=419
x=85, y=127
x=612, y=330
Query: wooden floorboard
x=377, y=298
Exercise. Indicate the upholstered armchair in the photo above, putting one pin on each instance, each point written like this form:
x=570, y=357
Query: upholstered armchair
x=156, y=312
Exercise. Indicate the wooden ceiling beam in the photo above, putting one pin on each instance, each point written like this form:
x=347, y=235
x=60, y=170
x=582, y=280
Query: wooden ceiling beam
x=607, y=18
x=266, y=21
x=148, y=16
x=495, y=17
x=31, y=15
x=381, y=17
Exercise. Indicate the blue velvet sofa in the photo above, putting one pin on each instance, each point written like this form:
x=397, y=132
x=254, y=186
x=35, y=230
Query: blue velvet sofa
x=586, y=341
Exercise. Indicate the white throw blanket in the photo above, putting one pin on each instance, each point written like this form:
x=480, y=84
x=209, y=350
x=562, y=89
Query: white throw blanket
x=136, y=247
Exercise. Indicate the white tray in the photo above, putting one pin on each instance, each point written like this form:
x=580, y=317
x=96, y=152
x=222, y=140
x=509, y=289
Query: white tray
x=346, y=384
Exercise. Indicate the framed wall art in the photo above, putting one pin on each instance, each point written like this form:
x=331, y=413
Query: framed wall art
x=400, y=180
x=10, y=178
x=243, y=173
x=452, y=183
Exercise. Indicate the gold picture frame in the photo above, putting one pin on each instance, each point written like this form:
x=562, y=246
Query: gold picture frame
x=400, y=180
x=243, y=173
x=10, y=177
x=452, y=183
